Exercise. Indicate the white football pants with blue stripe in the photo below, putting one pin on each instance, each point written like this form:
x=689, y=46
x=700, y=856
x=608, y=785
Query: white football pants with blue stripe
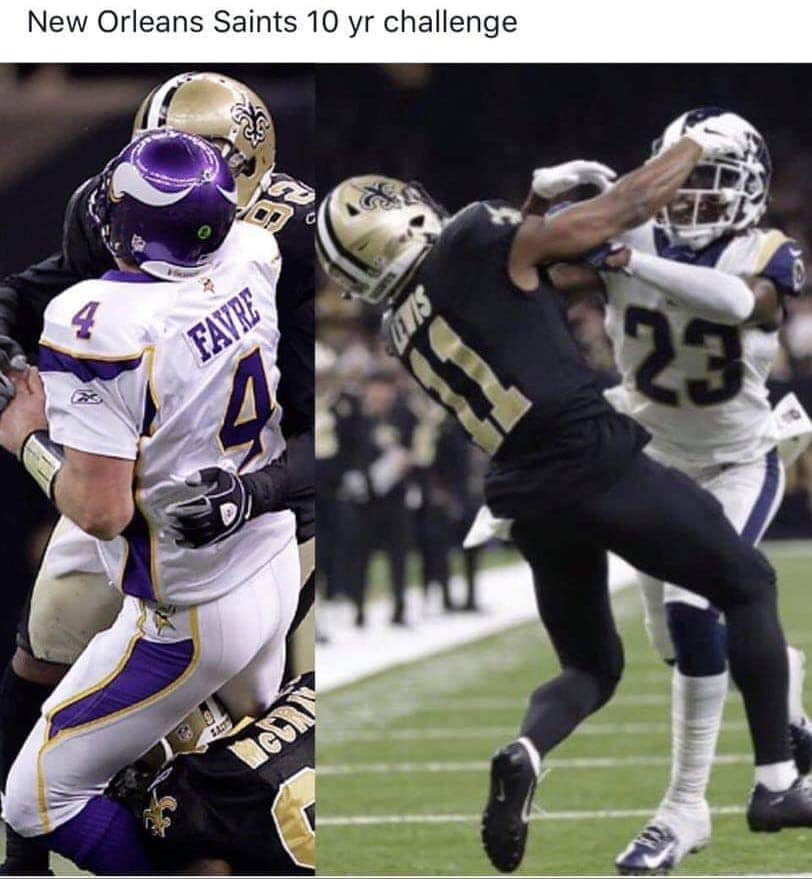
x=750, y=495
x=138, y=680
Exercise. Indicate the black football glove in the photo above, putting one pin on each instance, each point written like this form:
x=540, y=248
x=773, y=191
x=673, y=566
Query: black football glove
x=11, y=359
x=222, y=508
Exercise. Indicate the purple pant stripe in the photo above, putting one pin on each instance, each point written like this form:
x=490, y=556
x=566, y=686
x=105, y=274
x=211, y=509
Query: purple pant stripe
x=151, y=668
x=137, y=579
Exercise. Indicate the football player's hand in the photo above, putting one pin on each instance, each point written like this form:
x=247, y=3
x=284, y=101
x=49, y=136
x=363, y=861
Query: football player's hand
x=609, y=257
x=219, y=508
x=550, y=182
x=25, y=410
x=718, y=136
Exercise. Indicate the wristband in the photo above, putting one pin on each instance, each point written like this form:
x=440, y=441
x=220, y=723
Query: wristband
x=43, y=459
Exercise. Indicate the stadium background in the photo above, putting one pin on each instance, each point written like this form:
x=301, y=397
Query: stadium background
x=61, y=125
x=469, y=132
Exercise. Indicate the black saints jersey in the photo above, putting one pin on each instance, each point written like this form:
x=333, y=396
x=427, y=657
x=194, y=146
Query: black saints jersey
x=505, y=363
x=249, y=799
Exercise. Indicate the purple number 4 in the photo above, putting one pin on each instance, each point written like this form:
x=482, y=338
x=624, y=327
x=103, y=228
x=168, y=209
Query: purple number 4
x=84, y=319
x=249, y=408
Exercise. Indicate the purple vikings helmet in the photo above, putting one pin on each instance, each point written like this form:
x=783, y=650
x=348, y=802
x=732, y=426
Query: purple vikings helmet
x=168, y=202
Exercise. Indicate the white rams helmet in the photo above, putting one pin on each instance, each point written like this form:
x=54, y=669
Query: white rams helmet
x=372, y=234
x=227, y=113
x=722, y=195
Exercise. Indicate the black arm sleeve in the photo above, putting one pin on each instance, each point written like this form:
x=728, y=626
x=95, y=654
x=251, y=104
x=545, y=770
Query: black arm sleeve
x=25, y=296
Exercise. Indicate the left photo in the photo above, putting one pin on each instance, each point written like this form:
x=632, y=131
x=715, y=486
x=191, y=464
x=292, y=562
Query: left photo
x=157, y=524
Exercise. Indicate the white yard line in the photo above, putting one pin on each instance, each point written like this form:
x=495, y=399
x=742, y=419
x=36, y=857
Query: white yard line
x=636, y=700
x=431, y=767
x=333, y=736
x=371, y=820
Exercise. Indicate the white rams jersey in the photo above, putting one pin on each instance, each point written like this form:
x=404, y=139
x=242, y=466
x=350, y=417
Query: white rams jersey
x=697, y=386
x=176, y=376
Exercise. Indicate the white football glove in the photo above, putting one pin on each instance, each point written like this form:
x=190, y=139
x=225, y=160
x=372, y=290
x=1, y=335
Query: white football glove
x=550, y=182
x=719, y=136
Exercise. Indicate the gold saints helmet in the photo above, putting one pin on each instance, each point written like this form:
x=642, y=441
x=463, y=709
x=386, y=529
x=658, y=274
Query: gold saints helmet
x=372, y=234
x=225, y=112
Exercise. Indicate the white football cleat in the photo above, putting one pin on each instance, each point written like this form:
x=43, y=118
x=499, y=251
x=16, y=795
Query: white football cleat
x=665, y=840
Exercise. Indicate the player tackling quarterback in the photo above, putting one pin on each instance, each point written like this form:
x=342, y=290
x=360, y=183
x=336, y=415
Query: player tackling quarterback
x=71, y=599
x=476, y=321
x=165, y=365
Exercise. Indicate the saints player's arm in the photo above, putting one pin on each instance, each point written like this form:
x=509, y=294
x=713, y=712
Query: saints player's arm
x=632, y=201
x=25, y=295
x=94, y=491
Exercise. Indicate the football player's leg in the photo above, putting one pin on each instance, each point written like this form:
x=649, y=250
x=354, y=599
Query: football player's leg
x=647, y=513
x=751, y=495
x=571, y=580
x=698, y=688
x=131, y=686
x=69, y=603
x=252, y=690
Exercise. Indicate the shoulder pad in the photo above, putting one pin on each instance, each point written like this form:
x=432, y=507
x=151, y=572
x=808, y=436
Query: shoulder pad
x=93, y=319
x=247, y=242
x=781, y=261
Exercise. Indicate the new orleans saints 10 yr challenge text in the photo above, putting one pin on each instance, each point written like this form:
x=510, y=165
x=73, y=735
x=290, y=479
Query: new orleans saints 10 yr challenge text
x=439, y=21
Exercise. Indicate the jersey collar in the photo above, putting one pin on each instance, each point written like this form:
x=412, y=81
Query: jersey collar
x=129, y=277
x=707, y=257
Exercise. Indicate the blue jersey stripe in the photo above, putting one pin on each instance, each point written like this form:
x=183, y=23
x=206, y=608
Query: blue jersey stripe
x=764, y=503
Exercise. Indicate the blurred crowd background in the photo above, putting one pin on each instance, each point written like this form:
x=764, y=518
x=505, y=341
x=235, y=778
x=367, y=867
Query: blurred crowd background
x=61, y=125
x=394, y=474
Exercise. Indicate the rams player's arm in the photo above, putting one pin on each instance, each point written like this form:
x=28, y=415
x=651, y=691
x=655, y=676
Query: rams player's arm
x=95, y=492
x=633, y=200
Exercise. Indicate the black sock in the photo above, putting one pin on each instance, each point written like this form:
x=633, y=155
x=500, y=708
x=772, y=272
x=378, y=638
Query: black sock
x=20, y=703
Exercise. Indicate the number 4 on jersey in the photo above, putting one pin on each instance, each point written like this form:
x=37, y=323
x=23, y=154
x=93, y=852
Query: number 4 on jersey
x=85, y=319
x=249, y=408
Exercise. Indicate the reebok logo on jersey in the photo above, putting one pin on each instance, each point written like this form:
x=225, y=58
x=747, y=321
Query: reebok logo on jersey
x=223, y=326
x=85, y=397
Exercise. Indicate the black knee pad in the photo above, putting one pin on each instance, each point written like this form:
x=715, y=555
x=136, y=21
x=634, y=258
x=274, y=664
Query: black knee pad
x=698, y=638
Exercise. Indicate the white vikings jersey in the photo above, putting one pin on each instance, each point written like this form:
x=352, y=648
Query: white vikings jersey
x=176, y=376
x=697, y=386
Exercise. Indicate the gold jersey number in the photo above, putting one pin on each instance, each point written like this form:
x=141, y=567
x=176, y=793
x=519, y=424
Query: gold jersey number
x=273, y=209
x=508, y=404
x=293, y=824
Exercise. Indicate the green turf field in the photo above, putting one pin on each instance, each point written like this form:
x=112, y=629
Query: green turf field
x=402, y=760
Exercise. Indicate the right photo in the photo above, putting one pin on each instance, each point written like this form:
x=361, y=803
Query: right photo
x=564, y=505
